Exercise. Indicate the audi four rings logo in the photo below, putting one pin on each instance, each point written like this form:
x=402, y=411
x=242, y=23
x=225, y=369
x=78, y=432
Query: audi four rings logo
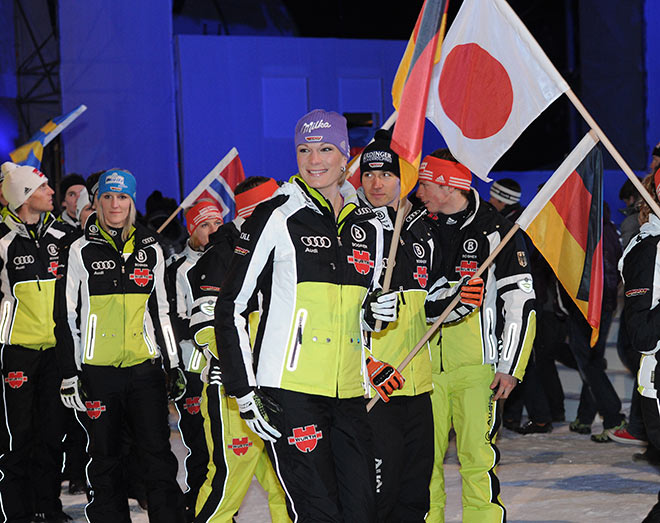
x=103, y=265
x=315, y=241
x=23, y=260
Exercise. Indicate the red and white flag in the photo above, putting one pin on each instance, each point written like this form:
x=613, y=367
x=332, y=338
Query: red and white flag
x=219, y=185
x=492, y=81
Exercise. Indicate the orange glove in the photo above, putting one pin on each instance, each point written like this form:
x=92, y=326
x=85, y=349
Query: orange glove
x=472, y=293
x=384, y=378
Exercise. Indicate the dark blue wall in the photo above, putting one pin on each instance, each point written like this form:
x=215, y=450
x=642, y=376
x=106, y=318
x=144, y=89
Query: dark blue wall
x=248, y=93
x=117, y=60
x=121, y=60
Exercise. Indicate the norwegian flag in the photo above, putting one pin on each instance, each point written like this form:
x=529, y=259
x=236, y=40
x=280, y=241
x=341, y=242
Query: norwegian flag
x=219, y=184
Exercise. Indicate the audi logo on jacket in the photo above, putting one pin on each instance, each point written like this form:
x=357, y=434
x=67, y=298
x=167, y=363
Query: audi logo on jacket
x=29, y=264
x=314, y=270
x=112, y=305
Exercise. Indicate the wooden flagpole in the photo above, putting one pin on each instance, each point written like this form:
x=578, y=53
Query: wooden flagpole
x=612, y=150
x=448, y=309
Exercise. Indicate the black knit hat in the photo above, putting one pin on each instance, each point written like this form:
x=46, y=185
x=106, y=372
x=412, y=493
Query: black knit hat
x=68, y=181
x=378, y=156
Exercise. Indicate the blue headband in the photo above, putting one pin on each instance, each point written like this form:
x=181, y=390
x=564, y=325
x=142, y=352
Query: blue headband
x=117, y=181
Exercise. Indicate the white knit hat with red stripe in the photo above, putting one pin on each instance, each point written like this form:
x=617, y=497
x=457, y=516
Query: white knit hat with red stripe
x=20, y=181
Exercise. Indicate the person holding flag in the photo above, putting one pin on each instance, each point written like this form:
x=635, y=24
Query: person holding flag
x=316, y=257
x=402, y=424
x=483, y=356
x=234, y=454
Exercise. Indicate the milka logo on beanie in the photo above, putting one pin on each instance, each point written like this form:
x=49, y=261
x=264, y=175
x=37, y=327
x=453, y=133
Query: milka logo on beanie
x=312, y=126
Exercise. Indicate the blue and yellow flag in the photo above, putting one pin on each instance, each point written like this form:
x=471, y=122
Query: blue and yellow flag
x=32, y=152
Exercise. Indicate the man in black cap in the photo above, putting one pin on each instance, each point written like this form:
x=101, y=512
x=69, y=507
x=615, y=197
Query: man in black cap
x=402, y=424
x=70, y=188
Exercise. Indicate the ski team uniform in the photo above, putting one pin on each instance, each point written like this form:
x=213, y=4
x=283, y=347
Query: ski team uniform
x=496, y=338
x=403, y=427
x=314, y=271
x=191, y=424
x=116, y=316
x=235, y=453
x=34, y=417
x=640, y=271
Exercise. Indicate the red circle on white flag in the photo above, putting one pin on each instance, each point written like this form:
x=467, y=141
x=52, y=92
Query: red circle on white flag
x=475, y=91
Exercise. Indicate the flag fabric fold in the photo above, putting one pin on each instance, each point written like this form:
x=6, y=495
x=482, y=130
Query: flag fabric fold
x=565, y=223
x=31, y=153
x=411, y=86
x=492, y=81
x=219, y=184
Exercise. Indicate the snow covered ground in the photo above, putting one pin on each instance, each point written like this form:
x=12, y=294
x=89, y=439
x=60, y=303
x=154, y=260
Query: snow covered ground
x=553, y=478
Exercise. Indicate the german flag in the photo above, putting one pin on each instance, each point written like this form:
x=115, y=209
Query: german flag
x=565, y=223
x=32, y=152
x=411, y=87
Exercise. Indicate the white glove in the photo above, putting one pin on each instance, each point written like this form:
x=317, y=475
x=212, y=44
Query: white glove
x=386, y=307
x=72, y=394
x=253, y=411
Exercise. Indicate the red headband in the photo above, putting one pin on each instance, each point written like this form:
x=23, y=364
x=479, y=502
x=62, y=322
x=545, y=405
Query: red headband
x=248, y=200
x=656, y=180
x=445, y=172
x=201, y=212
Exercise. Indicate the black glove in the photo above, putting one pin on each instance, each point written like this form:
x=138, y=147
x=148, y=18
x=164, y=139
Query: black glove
x=176, y=384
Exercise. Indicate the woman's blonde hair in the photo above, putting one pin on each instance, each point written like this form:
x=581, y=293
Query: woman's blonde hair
x=130, y=220
x=644, y=208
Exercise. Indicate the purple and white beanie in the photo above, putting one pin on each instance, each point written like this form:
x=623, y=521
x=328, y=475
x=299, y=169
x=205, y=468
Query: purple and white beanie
x=320, y=126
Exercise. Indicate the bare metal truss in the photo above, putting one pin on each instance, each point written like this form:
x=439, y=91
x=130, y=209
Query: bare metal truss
x=39, y=95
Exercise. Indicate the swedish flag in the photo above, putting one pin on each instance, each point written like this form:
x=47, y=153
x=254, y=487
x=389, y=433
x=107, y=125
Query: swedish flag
x=32, y=152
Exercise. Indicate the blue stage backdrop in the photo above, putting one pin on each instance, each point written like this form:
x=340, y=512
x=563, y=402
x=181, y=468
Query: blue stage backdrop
x=248, y=93
x=117, y=59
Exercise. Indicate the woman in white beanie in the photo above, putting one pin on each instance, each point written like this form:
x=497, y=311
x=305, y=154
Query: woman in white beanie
x=29, y=252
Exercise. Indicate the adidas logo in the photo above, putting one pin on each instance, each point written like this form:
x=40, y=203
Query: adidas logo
x=26, y=190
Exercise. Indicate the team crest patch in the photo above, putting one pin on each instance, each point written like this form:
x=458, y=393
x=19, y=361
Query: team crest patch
x=15, y=379
x=240, y=446
x=192, y=404
x=467, y=268
x=52, y=268
x=94, y=409
x=305, y=438
x=421, y=276
x=362, y=261
x=636, y=292
x=141, y=277
x=522, y=258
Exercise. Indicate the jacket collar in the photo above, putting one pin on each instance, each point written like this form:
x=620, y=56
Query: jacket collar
x=17, y=225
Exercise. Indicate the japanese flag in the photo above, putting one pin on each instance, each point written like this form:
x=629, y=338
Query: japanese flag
x=492, y=81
